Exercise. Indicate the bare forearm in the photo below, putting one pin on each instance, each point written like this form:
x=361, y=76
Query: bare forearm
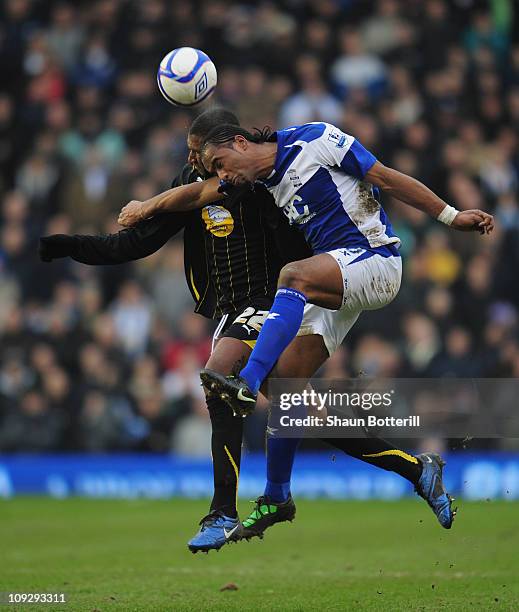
x=416, y=194
x=181, y=199
x=178, y=199
x=159, y=203
x=408, y=190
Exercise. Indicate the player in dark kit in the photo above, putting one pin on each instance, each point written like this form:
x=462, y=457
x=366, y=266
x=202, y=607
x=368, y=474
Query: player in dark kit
x=232, y=256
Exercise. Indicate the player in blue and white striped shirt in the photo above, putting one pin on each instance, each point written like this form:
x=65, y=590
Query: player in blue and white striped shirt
x=327, y=184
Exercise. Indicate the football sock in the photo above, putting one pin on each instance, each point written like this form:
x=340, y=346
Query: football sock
x=280, y=460
x=382, y=454
x=226, y=441
x=279, y=329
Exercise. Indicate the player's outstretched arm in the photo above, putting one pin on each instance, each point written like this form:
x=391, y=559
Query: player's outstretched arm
x=177, y=199
x=127, y=245
x=416, y=194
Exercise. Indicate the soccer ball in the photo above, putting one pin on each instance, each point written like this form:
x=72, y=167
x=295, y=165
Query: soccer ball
x=186, y=76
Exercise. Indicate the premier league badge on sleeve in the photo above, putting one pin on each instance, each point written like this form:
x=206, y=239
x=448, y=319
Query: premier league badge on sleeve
x=338, y=138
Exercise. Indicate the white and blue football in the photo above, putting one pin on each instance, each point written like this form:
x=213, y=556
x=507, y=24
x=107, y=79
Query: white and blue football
x=186, y=76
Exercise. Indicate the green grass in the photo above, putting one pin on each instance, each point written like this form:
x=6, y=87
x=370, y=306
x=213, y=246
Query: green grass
x=121, y=555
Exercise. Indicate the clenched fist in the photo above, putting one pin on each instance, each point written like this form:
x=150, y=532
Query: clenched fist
x=473, y=221
x=131, y=214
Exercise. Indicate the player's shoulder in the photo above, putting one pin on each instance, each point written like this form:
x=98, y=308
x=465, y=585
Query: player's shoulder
x=302, y=133
x=187, y=175
x=317, y=132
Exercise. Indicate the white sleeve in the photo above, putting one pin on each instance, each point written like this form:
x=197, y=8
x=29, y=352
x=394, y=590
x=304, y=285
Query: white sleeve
x=332, y=145
x=335, y=148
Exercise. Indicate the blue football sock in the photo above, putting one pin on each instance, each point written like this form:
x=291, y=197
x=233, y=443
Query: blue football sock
x=280, y=459
x=279, y=329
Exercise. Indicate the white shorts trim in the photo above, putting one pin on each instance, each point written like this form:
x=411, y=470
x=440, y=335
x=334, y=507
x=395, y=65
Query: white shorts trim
x=217, y=331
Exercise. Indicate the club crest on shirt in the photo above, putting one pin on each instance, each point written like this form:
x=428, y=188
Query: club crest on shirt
x=296, y=181
x=218, y=220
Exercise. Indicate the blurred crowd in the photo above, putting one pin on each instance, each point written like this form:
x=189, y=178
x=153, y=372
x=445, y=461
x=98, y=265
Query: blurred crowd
x=107, y=358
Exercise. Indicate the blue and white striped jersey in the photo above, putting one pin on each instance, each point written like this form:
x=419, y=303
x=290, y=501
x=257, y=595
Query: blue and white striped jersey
x=318, y=183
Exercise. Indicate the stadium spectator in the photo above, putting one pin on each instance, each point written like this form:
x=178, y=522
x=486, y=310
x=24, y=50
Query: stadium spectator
x=357, y=69
x=313, y=102
x=33, y=427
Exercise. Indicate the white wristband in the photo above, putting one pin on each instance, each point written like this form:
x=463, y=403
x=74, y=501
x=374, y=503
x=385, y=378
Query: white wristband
x=448, y=215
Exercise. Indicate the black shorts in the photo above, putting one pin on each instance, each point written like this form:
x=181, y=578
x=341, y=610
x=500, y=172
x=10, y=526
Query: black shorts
x=244, y=324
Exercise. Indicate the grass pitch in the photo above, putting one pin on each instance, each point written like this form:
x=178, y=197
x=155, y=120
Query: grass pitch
x=122, y=555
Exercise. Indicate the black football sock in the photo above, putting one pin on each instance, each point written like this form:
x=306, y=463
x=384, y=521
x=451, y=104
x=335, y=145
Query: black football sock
x=226, y=443
x=380, y=453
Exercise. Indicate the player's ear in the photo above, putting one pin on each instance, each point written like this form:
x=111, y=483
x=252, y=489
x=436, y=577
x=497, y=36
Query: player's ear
x=241, y=142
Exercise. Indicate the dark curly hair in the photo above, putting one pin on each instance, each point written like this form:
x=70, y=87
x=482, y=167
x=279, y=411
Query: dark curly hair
x=210, y=119
x=223, y=134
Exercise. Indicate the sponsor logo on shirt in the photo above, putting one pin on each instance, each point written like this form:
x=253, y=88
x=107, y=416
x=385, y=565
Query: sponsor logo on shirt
x=300, y=215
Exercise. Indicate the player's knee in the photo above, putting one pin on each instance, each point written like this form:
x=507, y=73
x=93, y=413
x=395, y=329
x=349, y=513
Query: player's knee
x=293, y=276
